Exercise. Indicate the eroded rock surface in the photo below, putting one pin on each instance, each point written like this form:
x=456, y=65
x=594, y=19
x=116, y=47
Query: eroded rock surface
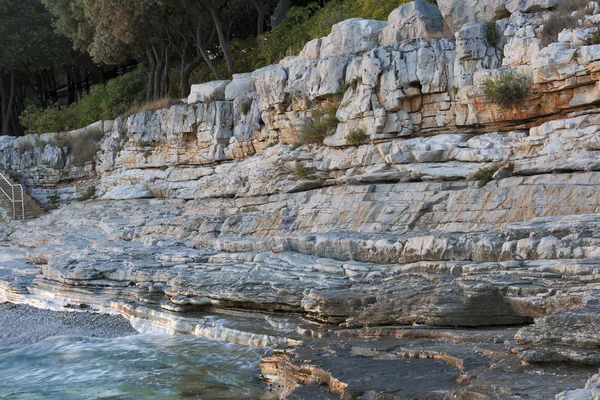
x=453, y=253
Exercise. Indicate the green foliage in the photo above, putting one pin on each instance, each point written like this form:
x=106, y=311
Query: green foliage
x=594, y=37
x=486, y=174
x=103, y=103
x=491, y=33
x=52, y=119
x=356, y=137
x=303, y=173
x=302, y=25
x=507, y=89
x=324, y=123
x=273, y=143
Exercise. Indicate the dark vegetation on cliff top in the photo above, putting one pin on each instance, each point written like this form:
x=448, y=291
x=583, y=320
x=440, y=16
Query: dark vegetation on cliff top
x=59, y=59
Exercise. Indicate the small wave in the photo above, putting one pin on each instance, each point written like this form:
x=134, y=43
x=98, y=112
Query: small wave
x=134, y=367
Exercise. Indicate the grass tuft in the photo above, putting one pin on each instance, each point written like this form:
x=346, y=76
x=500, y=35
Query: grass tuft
x=356, y=137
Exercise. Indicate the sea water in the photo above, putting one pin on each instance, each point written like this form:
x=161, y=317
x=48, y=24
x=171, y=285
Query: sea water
x=132, y=368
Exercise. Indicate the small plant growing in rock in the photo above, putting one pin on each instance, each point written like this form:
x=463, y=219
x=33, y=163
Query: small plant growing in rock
x=273, y=143
x=491, y=33
x=486, y=174
x=354, y=83
x=246, y=106
x=295, y=146
x=507, y=89
x=90, y=193
x=343, y=88
x=565, y=16
x=324, y=123
x=594, y=37
x=356, y=137
x=303, y=173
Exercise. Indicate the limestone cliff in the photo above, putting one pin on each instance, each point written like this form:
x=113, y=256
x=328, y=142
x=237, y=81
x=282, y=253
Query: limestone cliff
x=212, y=205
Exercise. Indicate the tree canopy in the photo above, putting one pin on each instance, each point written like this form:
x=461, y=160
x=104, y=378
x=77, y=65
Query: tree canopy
x=48, y=45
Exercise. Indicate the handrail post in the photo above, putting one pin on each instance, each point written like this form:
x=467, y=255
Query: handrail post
x=22, y=202
x=13, y=201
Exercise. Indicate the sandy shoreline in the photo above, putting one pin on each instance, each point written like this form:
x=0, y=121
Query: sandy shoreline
x=22, y=325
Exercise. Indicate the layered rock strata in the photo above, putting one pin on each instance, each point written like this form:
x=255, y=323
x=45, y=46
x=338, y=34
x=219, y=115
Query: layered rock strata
x=458, y=239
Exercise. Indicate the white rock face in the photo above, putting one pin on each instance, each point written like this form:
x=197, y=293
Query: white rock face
x=125, y=192
x=270, y=82
x=456, y=13
x=417, y=19
x=528, y=6
x=240, y=86
x=353, y=36
x=207, y=92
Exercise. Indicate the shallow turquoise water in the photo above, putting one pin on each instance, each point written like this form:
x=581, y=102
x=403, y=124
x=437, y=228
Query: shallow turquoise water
x=134, y=367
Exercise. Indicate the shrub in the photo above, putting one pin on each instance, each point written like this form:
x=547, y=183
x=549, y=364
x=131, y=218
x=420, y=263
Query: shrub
x=507, y=89
x=27, y=144
x=150, y=106
x=486, y=174
x=51, y=119
x=84, y=146
x=273, y=143
x=303, y=173
x=302, y=25
x=562, y=18
x=356, y=137
x=324, y=123
x=594, y=37
x=103, y=102
x=491, y=33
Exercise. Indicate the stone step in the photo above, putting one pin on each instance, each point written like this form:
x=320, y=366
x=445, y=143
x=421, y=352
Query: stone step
x=32, y=208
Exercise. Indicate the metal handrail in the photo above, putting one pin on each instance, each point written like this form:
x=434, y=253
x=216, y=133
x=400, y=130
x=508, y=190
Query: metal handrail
x=12, y=199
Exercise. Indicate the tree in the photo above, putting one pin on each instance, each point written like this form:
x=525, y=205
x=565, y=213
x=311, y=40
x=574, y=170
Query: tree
x=29, y=45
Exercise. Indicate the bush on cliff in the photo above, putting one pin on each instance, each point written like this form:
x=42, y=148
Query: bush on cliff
x=356, y=137
x=103, y=102
x=507, y=89
x=324, y=123
x=303, y=25
x=565, y=16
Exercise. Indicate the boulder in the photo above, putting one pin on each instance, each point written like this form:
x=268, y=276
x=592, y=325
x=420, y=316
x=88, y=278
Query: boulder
x=270, y=82
x=125, y=192
x=412, y=20
x=352, y=36
x=240, y=86
x=527, y=6
x=456, y=13
x=207, y=92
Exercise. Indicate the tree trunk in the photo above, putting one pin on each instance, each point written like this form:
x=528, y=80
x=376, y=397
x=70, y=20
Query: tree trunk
x=7, y=109
x=202, y=49
x=165, y=79
x=186, y=70
x=70, y=87
x=283, y=6
x=223, y=42
x=151, y=70
x=157, y=73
